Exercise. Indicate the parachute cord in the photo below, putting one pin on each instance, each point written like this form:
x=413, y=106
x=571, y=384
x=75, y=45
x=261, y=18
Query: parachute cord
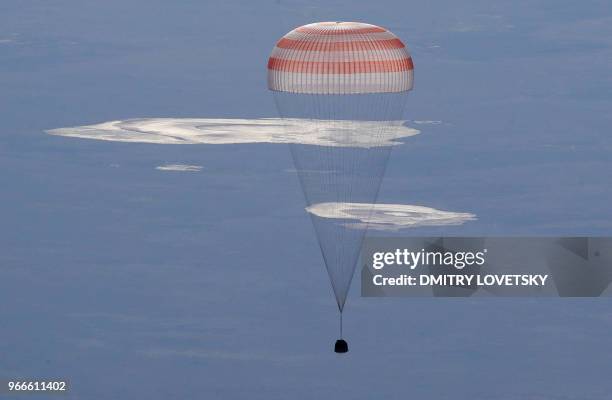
x=340, y=324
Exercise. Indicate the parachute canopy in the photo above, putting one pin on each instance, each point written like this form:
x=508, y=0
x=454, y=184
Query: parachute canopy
x=347, y=82
x=340, y=58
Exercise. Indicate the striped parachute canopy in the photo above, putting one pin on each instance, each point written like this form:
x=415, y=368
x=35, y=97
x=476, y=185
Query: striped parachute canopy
x=340, y=58
x=346, y=81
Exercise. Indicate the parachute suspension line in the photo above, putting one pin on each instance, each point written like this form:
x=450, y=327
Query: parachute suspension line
x=341, y=346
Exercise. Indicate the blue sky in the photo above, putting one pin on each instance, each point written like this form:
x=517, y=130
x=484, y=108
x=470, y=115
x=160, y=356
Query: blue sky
x=140, y=283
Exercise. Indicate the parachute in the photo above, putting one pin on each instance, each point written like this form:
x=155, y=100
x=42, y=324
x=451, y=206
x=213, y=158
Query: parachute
x=349, y=82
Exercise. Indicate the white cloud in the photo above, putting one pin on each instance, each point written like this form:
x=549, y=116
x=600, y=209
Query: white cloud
x=179, y=167
x=233, y=131
x=427, y=122
x=388, y=216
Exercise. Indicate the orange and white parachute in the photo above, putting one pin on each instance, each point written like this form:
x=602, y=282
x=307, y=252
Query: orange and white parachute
x=348, y=83
x=340, y=58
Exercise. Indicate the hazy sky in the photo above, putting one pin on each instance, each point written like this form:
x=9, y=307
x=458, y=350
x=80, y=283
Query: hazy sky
x=136, y=282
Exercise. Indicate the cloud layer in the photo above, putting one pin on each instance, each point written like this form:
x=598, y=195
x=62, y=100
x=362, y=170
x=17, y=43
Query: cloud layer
x=388, y=216
x=179, y=167
x=233, y=131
